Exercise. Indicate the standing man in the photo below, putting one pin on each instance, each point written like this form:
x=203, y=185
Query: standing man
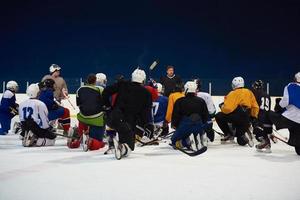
x=169, y=82
x=60, y=87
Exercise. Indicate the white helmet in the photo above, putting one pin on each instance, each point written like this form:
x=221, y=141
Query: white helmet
x=53, y=68
x=12, y=85
x=33, y=90
x=297, y=77
x=138, y=76
x=159, y=87
x=101, y=78
x=237, y=82
x=190, y=87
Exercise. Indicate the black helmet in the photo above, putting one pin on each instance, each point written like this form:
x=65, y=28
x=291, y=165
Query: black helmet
x=199, y=83
x=48, y=83
x=258, y=85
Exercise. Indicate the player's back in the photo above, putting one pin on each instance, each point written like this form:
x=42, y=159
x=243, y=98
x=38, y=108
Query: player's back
x=36, y=110
x=160, y=109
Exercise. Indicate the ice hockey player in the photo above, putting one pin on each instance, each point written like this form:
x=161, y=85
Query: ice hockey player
x=176, y=94
x=101, y=80
x=210, y=107
x=60, y=87
x=290, y=118
x=91, y=115
x=190, y=116
x=169, y=81
x=33, y=115
x=54, y=109
x=131, y=109
x=8, y=106
x=263, y=126
x=160, y=109
x=238, y=108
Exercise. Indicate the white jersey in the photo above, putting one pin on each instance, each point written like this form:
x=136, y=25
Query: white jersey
x=209, y=102
x=35, y=109
x=289, y=101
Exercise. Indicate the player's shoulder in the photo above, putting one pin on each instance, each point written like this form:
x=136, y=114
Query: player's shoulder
x=8, y=94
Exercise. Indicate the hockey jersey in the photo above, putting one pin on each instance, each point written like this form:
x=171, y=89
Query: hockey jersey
x=160, y=108
x=8, y=101
x=36, y=110
x=171, y=101
x=47, y=96
x=209, y=102
x=291, y=101
x=240, y=97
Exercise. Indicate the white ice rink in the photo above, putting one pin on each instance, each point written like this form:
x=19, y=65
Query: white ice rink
x=153, y=172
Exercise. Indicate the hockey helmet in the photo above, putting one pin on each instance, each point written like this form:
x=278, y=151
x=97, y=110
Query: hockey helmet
x=238, y=82
x=101, y=78
x=12, y=85
x=53, y=68
x=159, y=87
x=33, y=90
x=49, y=83
x=190, y=87
x=138, y=75
x=258, y=85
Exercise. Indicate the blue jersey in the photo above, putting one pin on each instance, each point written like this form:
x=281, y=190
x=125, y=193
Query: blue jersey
x=47, y=96
x=8, y=101
x=294, y=94
x=160, y=109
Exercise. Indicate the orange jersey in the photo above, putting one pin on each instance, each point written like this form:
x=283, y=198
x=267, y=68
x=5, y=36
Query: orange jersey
x=240, y=97
x=172, y=99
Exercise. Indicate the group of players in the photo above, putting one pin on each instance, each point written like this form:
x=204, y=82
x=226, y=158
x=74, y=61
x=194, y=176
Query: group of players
x=128, y=111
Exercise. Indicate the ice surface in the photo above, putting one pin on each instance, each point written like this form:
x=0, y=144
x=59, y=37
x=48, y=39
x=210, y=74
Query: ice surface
x=153, y=172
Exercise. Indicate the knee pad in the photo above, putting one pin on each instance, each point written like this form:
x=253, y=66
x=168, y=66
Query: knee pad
x=95, y=144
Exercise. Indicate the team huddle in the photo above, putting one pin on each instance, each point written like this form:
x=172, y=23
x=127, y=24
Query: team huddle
x=130, y=112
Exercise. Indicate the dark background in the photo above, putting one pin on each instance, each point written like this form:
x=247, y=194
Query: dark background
x=213, y=40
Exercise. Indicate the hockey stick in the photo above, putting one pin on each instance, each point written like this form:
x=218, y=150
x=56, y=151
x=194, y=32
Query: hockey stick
x=279, y=138
x=152, y=66
x=221, y=134
x=191, y=152
x=68, y=98
x=151, y=142
x=66, y=136
x=279, y=134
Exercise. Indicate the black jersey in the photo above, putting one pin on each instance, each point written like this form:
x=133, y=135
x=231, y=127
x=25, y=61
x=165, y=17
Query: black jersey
x=263, y=100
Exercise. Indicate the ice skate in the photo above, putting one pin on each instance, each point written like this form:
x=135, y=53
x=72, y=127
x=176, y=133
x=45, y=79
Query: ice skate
x=264, y=146
x=228, y=139
x=29, y=139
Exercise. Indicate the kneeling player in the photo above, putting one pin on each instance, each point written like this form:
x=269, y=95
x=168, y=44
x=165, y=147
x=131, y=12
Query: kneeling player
x=90, y=118
x=55, y=111
x=239, y=107
x=290, y=118
x=190, y=116
x=33, y=115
